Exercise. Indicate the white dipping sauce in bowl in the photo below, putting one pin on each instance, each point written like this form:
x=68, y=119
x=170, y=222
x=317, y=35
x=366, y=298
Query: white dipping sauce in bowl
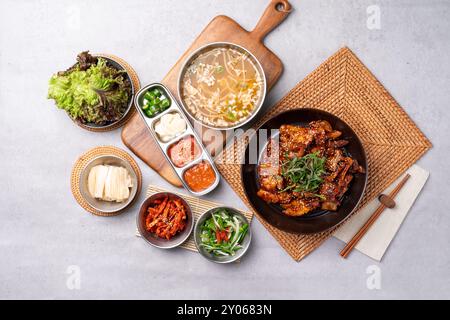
x=169, y=126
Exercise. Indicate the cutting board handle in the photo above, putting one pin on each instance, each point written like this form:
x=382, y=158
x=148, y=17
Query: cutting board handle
x=275, y=13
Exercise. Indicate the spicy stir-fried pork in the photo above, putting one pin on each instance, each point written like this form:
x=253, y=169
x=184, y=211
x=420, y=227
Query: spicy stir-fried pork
x=308, y=169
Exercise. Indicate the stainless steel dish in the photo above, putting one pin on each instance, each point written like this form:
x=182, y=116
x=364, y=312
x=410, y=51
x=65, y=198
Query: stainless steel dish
x=150, y=122
x=221, y=259
x=209, y=47
x=107, y=206
x=155, y=240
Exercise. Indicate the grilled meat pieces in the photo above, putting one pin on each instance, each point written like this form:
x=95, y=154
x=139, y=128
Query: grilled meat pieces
x=296, y=142
x=300, y=207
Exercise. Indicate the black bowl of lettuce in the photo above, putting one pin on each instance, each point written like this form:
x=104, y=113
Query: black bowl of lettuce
x=96, y=92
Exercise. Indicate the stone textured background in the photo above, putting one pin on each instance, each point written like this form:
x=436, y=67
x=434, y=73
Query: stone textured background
x=43, y=231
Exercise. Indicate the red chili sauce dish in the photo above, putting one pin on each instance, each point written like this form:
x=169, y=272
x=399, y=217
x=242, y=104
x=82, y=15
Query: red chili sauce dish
x=184, y=151
x=200, y=176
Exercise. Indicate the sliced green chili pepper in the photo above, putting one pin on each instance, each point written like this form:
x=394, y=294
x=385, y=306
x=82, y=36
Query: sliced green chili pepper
x=149, y=96
x=155, y=102
x=165, y=103
x=156, y=92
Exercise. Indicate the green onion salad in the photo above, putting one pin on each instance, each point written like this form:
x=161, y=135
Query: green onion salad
x=223, y=233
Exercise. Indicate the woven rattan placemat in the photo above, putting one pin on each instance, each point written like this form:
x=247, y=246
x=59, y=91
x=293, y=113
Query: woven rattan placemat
x=342, y=85
x=198, y=206
x=136, y=84
x=83, y=160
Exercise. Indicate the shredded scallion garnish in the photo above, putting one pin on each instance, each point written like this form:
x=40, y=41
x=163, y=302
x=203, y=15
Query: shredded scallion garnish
x=304, y=174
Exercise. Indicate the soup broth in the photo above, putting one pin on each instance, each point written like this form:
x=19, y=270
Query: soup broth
x=222, y=87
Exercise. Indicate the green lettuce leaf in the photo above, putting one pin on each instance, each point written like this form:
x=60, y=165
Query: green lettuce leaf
x=93, y=92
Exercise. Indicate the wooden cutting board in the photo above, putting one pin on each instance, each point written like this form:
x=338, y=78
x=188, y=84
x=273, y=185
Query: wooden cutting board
x=135, y=134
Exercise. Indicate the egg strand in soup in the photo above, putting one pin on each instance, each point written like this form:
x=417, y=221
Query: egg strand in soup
x=222, y=87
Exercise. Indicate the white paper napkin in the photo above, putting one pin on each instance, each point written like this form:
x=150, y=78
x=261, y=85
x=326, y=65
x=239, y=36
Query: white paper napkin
x=376, y=241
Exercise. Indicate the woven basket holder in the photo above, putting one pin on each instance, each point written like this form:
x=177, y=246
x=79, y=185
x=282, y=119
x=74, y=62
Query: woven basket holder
x=81, y=163
x=198, y=207
x=343, y=86
x=136, y=84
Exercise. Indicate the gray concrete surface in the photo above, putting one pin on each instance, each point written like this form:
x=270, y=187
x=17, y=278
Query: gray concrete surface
x=43, y=231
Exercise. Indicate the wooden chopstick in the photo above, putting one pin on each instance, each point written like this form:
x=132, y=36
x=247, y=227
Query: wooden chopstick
x=357, y=237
